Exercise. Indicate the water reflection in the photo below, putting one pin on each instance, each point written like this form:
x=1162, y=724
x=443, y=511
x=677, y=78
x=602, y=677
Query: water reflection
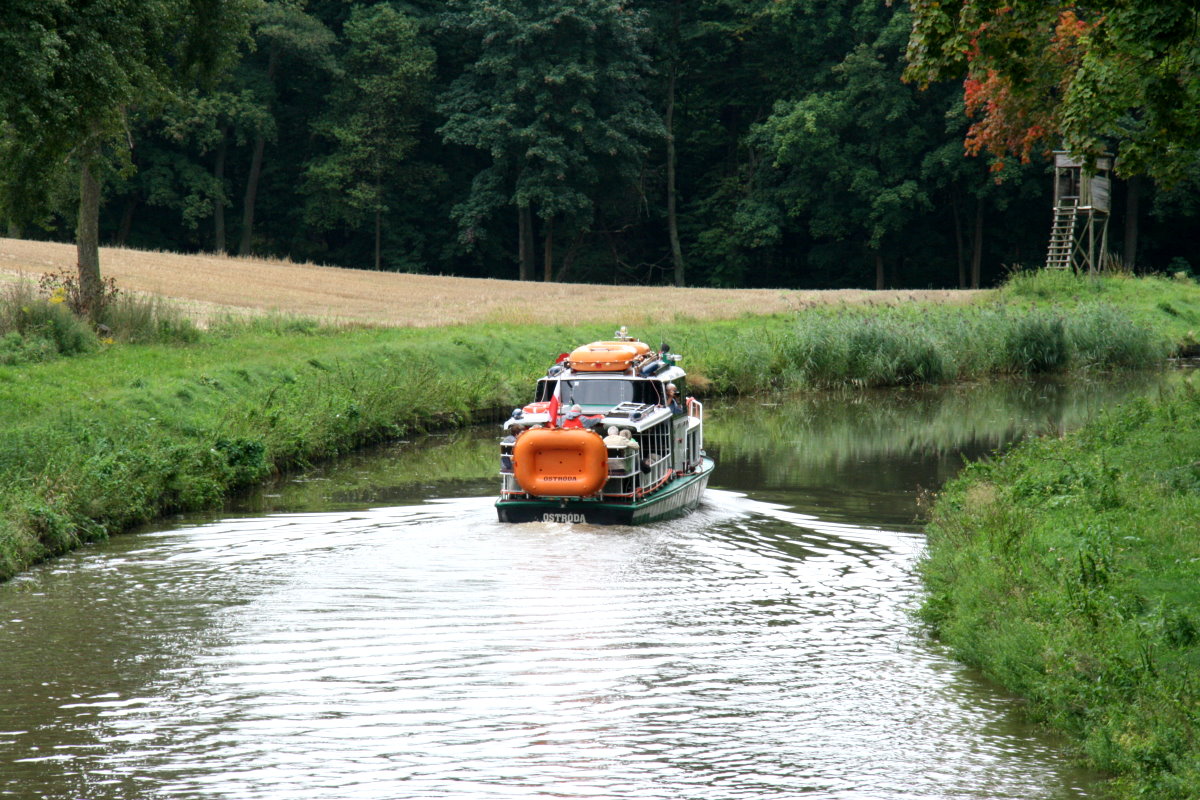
x=858, y=456
x=384, y=644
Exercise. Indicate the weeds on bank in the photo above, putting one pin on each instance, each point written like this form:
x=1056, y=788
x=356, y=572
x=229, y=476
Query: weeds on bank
x=1069, y=571
x=40, y=323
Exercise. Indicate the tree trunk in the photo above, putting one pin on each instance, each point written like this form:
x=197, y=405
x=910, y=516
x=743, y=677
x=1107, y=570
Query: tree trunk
x=219, y=197
x=878, y=269
x=126, y=221
x=569, y=256
x=87, y=242
x=1133, y=199
x=977, y=244
x=260, y=143
x=958, y=241
x=251, y=197
x=525, y=243
x=378, y=238
x=548, y=256
x=672, y=220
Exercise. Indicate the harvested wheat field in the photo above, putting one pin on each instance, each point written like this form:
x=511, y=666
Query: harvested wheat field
x=205, y=285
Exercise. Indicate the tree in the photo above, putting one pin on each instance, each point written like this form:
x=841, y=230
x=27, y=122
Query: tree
x=372, y=119
x=286, y=33
x=1120, y=75
x=72, y=72
x=852, y=155
x=554, y=97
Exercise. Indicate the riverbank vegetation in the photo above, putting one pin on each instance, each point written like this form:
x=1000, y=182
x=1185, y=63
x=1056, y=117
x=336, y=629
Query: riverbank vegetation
x=110, y=434
x=1069, y=572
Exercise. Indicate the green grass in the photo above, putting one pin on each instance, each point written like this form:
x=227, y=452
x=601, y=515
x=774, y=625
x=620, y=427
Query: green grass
x=154, y=416
x=1069, y=571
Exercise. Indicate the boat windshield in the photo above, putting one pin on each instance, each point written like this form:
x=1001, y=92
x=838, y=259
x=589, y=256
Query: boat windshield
x=607, y=392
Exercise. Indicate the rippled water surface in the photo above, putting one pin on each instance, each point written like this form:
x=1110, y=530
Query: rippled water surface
x=369, y=631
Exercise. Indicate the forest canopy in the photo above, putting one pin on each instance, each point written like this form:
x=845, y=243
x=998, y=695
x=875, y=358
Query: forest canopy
x=789, y=143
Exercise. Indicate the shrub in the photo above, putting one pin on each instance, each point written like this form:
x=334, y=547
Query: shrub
x=45, y=326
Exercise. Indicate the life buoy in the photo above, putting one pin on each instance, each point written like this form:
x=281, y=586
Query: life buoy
x=558, y=462
x=607, y=356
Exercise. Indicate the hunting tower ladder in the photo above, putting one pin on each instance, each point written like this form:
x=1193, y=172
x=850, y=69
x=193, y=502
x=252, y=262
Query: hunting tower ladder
x=1081, y=211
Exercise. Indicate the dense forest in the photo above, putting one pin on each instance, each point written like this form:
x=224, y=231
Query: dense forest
x=780, y=143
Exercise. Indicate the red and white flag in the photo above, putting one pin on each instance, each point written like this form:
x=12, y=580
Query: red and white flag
x=555, y=402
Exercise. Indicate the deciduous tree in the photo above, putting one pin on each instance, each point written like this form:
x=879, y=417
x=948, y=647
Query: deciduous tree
x=285, y=34
x=852, y=155
x=1119, y=75
x=554, y=96
x=73, y=70
x=372, y=120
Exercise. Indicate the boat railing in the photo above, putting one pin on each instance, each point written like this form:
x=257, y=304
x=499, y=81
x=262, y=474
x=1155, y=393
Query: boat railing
x=632, y=471
x=695, y=434
x=509, y=486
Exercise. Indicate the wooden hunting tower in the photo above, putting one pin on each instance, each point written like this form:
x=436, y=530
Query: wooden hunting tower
x=1079, y=235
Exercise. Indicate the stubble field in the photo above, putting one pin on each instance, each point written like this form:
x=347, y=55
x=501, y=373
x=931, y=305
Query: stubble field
x=204, y=285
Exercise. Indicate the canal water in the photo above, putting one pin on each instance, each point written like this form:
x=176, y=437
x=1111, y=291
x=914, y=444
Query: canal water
x=368, y=630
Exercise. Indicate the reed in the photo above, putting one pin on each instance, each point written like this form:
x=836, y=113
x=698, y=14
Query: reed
x=143, y=319
x=822, y=348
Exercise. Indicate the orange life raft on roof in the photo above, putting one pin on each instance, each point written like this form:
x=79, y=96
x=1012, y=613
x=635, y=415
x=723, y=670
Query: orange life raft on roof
x=557, y=462
x=607, y=356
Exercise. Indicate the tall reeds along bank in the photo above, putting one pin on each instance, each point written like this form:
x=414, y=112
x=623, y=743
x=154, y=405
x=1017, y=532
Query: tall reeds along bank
x=898, y=346
x=1069, y=571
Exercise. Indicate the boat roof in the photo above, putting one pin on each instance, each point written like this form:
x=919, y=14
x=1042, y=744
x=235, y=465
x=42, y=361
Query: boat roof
x=668, y=375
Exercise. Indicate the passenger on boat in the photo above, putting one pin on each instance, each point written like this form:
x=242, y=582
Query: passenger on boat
x=614, y=438
x=574, y=418
x=506, y=444
x=630, y=442
x=673, y=399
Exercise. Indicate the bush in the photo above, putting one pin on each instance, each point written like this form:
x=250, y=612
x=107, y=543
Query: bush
x=45, y=327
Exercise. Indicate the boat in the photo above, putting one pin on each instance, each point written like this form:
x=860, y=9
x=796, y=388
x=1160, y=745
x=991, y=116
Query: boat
x=611, y=437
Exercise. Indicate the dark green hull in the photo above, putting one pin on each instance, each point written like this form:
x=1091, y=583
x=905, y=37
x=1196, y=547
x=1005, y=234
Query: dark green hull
x=679, y=497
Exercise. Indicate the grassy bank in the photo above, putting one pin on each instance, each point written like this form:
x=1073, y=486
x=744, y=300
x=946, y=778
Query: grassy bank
x=1069, y=571
x=111, y=431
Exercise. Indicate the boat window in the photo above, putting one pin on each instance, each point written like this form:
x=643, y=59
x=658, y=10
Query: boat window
x=592, y=392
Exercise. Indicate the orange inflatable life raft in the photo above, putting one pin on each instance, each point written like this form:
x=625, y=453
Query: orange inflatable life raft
x=557, y=462
x=607, y=356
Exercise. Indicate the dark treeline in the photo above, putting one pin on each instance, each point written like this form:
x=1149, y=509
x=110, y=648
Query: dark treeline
x=709, y=142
